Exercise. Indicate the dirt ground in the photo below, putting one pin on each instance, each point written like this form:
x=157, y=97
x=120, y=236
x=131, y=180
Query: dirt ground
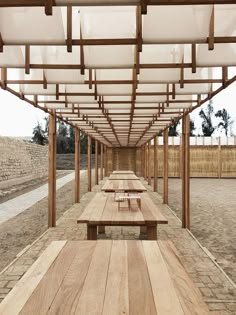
x=22, y=230
x=213, y=216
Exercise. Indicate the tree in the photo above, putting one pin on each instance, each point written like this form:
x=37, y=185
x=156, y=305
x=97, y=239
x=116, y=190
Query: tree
x=226, y=122
x=191, y=128
x=173, y=130
x=39, y=135
x=207, y=124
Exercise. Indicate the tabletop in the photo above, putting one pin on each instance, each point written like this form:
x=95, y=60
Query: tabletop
x=126, y=185
x=103, y=209
x=105, y=277
x=123, y=176
x=122, y=172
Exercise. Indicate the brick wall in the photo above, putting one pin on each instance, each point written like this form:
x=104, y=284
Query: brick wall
x=21, y=160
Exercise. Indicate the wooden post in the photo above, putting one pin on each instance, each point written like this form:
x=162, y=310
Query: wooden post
x=155, y=164
x=165, y=175
x=52, y=170
x=105, y=159
x=144, y=162
x=185, y=173
x=146, y=158
x=101, y=161
x=149, y=163
x=77, y=165
x=89, y=163
x=219, y=159
x=96, y=162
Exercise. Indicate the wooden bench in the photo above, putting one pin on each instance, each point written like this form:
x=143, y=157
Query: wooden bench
x=106, y=277
x=125, y=185
x=103, y=210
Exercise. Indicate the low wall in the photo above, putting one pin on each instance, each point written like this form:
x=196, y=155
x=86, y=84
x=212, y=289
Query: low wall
x=217, y=161
x=21, y=161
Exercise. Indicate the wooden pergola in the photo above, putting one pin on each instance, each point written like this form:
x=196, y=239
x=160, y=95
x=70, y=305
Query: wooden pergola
x=120, y=71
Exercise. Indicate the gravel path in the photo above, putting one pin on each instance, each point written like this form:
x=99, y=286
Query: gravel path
x=23, y=229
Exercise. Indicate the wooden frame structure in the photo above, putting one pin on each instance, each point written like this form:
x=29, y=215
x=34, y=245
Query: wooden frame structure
x=120, y=83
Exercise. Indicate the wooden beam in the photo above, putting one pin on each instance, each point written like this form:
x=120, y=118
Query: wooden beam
x=48, y=7
x=4, y=78
x=101, y=161
x=139, y=28
x=40, y=3
x=144, y=6
x=1, y=43
x=52, y=170
x=155, y=183
x=185, y=173
x=90, y=79
x=69, y=28
x=45, y=84
x=149, y=163
x=96, y=162
x=82, y=65
x=89, y=163
x=77, y=165
x=182, y=76
x=165, y=175
x=27, y=59
x=57, y=91
x=224, y=76
x=211, y=30
x=194, y=59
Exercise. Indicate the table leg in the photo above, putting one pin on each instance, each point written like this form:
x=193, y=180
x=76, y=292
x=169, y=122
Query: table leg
x=91, y=232
x=152, y=232
x=143, y=229
x=101, y=229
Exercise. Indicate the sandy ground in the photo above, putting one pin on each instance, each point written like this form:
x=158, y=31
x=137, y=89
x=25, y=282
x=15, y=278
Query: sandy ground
x=22, y=230
x=213, y=216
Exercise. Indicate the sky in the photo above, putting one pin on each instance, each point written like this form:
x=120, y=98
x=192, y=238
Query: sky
x=18, y=118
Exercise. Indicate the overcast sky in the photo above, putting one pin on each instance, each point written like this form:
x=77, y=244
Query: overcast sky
x=18, y=118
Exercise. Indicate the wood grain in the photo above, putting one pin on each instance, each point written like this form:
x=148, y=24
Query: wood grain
x=140, y=292
x=16, y=299
x=117, y=297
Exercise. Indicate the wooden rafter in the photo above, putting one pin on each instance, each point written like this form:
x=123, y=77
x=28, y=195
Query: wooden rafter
x=1, y=43
x=211, y=30
x=69, y=28
x=41, y=3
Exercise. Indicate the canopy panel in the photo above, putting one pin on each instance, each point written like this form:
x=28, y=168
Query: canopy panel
x=118, y=74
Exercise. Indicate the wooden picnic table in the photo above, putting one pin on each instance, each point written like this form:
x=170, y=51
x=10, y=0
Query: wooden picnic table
x=106, y=278
x=103, y=210
x=123, y=176
x=122, y=172
x=125, y=185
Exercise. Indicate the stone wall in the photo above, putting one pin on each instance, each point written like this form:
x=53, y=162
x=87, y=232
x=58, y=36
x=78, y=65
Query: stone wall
x=21, y=161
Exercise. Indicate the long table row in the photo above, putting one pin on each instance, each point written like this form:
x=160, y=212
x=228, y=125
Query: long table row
x=109, y=277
